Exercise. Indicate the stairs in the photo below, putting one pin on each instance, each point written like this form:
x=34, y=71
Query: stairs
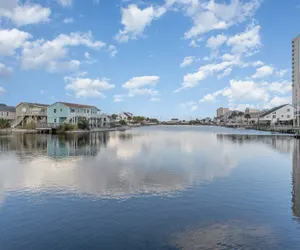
x=17, y=122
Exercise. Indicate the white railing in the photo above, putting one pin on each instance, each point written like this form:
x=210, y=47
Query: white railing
x=33, y=113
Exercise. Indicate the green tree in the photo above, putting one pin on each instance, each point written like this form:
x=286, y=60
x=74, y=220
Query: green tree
x=247, y=116
x=4, y=123
x=114, y=116
x=123, y=122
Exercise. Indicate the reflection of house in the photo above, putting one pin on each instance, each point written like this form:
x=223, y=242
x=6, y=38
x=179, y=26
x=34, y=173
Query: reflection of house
x=283, y=114
x=27, y=112
x=63, y=112
x=7, y=112
x=78, y=145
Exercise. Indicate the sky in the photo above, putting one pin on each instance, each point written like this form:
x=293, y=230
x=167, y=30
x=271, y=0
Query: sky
x=158, y=58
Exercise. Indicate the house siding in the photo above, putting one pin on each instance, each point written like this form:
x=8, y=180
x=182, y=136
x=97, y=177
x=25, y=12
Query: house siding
x=62, y=112
x=7, y=115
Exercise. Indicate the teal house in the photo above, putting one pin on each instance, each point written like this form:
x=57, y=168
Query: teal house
x=63, y=112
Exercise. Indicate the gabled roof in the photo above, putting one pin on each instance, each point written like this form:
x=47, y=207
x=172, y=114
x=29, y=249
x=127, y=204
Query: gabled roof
x=34, y=104
x=273, y=110
x=75, y=105
x=5, y=108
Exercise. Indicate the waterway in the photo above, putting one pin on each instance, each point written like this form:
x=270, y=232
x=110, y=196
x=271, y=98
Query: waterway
x=165, y=187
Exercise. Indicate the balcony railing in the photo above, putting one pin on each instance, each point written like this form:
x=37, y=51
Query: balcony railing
x=33, y=113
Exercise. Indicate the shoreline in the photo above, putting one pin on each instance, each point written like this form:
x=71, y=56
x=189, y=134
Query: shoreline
x=36, y=131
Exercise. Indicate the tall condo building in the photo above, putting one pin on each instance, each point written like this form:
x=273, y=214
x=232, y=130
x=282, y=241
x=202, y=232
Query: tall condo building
x=296, y=78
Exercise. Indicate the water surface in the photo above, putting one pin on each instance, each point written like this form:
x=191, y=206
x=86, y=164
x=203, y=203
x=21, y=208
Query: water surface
x=150, y=188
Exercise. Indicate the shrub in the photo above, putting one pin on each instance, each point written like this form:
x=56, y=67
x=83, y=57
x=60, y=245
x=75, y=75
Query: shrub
x=83, y=124
x=65, y=127
x=30, y=125
x=123, y=122
x=4, y=123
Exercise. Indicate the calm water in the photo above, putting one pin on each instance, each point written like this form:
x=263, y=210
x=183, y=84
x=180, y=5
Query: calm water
x=150, y=188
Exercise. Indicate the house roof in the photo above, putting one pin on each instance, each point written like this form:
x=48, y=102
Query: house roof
x=5, y=108
x=270, y=111
x=75, y=105
x=128, y=114
x=35, y=104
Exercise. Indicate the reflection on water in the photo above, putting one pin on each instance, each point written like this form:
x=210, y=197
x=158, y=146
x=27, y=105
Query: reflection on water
x=181, y=188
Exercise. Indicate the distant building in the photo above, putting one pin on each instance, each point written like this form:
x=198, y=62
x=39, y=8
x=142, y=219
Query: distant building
x=296, y=78
x=27, y=112
x=174, y=120
x=251, y=111
x=126, y=116
x=283, y=114
x=7, y=112
x=222, y=111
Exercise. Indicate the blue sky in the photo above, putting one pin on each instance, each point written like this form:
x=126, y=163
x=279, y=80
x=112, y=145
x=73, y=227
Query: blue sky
x=160, y=58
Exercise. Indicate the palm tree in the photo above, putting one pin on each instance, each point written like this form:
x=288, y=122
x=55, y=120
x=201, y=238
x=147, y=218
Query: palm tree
x=247, y=116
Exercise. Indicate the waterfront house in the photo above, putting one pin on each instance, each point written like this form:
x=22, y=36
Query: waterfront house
x=28, y=112
x=7, y=112
x=72, y=113
x=126, y=116
x=281, y=115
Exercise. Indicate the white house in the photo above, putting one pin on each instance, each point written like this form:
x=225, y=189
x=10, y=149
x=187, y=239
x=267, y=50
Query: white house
x=283, y=114
x=124, y=116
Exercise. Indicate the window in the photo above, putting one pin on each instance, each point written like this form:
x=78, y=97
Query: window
x=60, y=110
x=274, y=116
x=84, y=110
x=7, y=114
x=54, y=120
x=1, y=113
x=54, y=110
x=88, y=111
x=288, y=110
x=72, y=110
x=282, y=116
x=288, y=116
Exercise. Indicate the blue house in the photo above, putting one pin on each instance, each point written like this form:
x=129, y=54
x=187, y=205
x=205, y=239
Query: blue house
x=63, y=112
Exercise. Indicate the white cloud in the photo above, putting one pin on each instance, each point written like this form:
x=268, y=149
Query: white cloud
x=24, y=14
x=55, y=66
x=263, y=72
x=246, y=42
x=5, y=71
x=277, y=101
x=113, y=50
x=2, y=90
x=194, y=44
x=282, y=72
x=216, y=42
x=135, y=20
x=86, y=87
x=51, y=54
x=87, y=55
x=187, y=61
x=65, y=3
x=208, y=98
x=191, y=80
x=143, y=91
x=155, y=99
x=191, y=106
x=10, y=40
x=281, y=87
x=209, y=15
x=245, y=90
x=257, y=63
x=118, y=98
x=68, y=20
x=139, y=82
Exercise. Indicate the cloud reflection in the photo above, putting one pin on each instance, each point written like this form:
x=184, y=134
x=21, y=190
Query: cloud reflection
x=119, y=164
